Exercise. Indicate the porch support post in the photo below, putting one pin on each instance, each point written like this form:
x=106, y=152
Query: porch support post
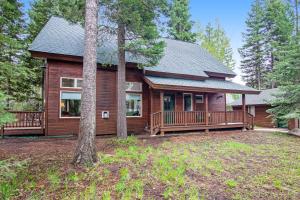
x=162, y=111
x=244, y=111
x=225, y=109
x=151, y=111
x=206, y=112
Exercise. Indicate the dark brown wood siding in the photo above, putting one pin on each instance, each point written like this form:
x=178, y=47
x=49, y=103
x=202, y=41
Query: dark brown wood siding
x=216, y=101
x=106, y=99
x=261, y=118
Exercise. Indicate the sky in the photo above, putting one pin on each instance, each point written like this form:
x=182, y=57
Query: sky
x=231, y=14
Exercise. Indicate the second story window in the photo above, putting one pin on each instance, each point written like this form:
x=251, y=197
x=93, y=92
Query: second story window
x=133, y=87
x=70, y=82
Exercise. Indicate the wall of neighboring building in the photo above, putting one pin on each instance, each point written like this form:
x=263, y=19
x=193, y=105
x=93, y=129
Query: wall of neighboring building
x=261, y=118
x=106, y=99
x=293, y=123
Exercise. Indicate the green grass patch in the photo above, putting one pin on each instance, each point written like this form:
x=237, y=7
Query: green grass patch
x=231, y=183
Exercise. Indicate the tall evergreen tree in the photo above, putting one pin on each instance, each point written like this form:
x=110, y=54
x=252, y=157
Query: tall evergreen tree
x=287, y=74
x=180, y=25
x=135, y=21
x=86, y=151
x=13, y=74
x=279, y=26
x=252, y=51
x=215, y=41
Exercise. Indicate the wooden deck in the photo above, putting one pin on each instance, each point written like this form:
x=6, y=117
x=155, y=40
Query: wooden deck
x=198, y=120
x=26, y=123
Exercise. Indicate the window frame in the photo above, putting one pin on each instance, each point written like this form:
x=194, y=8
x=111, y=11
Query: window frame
x=199, y=95
x=60, y=94
x=132, y=91
x=192, y=102
x=251, y=108
x=141, y=95
x=75, y=82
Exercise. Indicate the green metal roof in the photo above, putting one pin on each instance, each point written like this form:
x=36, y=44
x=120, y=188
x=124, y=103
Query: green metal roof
x=207, y=83
x=263, y=98
x=60, y=37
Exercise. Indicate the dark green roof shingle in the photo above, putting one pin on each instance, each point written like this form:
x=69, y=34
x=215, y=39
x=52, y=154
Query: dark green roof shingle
x=60, y=37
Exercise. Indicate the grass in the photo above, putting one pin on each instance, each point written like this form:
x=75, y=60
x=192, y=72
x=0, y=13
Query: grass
x=257, y=166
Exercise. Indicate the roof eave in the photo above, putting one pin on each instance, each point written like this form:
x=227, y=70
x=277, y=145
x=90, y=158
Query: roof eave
x=196, y=89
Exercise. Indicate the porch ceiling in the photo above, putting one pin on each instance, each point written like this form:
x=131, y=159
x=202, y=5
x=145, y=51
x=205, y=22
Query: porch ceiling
x=208, y=85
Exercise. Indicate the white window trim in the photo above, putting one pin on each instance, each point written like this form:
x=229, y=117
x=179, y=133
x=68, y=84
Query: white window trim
x=251, y=108
x=140, y=83
x=192, y=102
x=199, y=95
x=60, y=117
x=141, y=95
x=75, y=82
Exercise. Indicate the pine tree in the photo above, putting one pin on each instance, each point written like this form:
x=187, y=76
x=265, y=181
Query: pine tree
x=287, y=74
x=180, y=25
x=135, y=22
x=215, y=41
x=5, y=116
x=13, y=74
x=252, y=51
x=86, y=151
x=279, y=26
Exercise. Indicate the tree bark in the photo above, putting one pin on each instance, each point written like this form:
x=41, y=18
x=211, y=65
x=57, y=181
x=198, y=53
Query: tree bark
x=121, y=84
x=85, y=152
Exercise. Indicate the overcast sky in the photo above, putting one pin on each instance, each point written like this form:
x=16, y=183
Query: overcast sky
x=230, y=13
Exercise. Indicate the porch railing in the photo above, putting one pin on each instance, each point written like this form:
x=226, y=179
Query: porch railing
x=26, y=119
x=197, y=118
x=179, y=118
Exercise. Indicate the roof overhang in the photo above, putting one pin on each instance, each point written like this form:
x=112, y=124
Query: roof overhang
x=187, y=85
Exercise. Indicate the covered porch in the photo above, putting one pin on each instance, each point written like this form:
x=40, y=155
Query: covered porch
x=182, y=105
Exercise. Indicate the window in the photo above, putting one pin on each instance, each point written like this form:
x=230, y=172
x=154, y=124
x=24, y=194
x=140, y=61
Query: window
x=187, y=102
x=133, y=87
x=251, y=110
x=133, y=105
x=79, y=83
x=199, y=98
x=71, y=82
x=70, y=104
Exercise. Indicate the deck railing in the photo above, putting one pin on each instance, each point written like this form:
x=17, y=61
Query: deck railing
x=181, y=118
x=26, y=120
x=197, y=118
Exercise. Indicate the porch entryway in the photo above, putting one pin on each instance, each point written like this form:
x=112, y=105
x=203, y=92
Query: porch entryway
x=193, y=113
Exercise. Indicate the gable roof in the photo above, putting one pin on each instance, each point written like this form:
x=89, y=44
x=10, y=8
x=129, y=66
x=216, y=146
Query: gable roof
x=59, y=36
x=263, y=98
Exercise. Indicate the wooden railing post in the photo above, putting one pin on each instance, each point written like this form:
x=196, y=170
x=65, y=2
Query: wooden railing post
x=2, y=132
x=225, y=108
x=206, y=111
x=162, y=111
x=244, y=111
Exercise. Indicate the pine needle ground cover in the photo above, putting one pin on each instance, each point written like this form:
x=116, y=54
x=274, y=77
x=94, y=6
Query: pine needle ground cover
x=224, y=165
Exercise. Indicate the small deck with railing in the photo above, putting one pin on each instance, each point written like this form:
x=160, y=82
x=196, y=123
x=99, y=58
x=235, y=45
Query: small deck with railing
x=26, y=123
x=170, y=121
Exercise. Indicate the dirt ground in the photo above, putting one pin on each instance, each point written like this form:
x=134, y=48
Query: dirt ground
x=45, y=147
x=217, y=165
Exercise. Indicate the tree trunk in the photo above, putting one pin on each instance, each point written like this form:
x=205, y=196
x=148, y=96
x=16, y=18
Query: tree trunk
x=85, y=152
x=121, y=84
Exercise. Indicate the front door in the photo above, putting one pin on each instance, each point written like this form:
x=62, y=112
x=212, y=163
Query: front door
x=169, y=102
x=169, y=105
